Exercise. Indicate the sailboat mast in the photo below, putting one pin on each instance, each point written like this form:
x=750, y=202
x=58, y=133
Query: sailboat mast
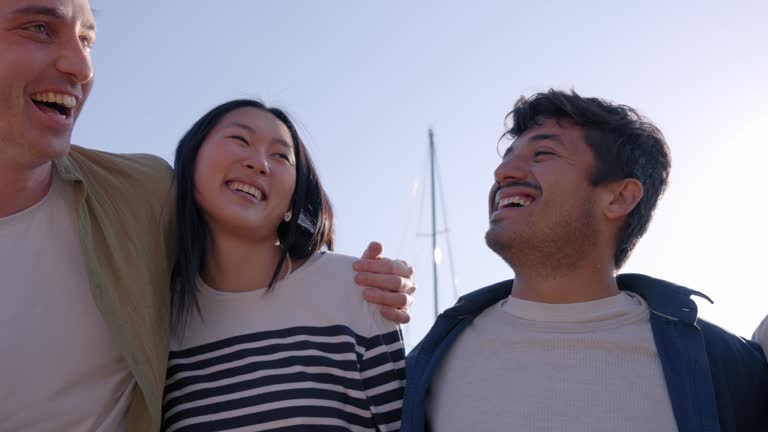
x=434, y=217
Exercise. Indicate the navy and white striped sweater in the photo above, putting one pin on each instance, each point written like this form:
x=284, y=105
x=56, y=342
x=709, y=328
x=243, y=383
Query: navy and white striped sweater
x=309, y=355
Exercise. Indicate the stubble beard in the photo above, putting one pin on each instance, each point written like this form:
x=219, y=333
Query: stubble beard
x=22, y=146
x=547, y=250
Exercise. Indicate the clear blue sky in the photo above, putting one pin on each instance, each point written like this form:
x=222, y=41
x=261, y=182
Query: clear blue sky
x=365, y=80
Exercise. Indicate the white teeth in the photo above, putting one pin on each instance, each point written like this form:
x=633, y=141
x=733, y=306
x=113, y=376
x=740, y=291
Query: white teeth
x=515, y=199
x=242, y=187
x=50, y=97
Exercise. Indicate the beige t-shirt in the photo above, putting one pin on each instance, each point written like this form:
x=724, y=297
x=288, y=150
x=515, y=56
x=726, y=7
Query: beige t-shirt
x=529, y=366
x=61, y=370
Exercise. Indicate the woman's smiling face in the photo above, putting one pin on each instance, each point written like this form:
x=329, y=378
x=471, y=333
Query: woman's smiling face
x=245, y=174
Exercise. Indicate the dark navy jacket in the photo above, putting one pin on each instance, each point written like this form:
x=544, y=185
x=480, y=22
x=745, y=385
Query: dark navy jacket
x=716, y=381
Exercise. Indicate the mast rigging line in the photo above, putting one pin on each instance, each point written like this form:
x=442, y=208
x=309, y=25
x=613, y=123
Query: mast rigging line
x=436, y=180
x=447, y=230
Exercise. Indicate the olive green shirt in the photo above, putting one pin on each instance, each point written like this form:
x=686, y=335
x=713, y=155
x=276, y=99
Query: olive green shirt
x=125, y=210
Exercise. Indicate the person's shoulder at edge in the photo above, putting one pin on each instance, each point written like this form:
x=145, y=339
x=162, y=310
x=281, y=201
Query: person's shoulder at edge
x=340, y=285
x=761, y=335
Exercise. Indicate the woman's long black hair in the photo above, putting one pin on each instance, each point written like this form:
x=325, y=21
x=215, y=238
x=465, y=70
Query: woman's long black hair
x=309, y=229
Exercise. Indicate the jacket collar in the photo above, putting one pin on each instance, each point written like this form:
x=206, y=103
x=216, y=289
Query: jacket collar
x=664, y=298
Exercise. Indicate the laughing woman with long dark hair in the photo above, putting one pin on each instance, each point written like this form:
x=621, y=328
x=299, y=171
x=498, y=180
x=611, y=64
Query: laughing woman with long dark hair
x=269, y=331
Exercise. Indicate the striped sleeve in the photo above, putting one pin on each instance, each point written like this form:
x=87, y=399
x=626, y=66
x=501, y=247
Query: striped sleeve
x=382, y=370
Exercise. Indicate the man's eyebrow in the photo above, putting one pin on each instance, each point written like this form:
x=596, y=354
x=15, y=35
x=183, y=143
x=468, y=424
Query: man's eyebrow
x=40, y=10
x=555, y=138
x=510, y=149
x=89, y=25
x=50, y=12
x=240, y=125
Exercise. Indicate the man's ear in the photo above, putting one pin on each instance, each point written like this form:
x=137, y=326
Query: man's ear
x=621, y=197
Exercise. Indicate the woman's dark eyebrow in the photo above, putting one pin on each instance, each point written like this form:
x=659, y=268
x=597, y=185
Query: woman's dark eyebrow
x=240, y=125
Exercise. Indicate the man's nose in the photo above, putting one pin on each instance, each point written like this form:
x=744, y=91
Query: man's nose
x=75, y=61
x=510, y=169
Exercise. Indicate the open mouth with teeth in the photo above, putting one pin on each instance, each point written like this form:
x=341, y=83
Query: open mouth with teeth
x=515, y=201
x=54, y=103
x=247, y=190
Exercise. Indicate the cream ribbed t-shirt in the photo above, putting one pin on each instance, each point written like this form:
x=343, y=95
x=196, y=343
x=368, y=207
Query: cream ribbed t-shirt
x=61, y=369
x=529, y=366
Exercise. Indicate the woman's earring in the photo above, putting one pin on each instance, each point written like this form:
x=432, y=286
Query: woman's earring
x=287, y=216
